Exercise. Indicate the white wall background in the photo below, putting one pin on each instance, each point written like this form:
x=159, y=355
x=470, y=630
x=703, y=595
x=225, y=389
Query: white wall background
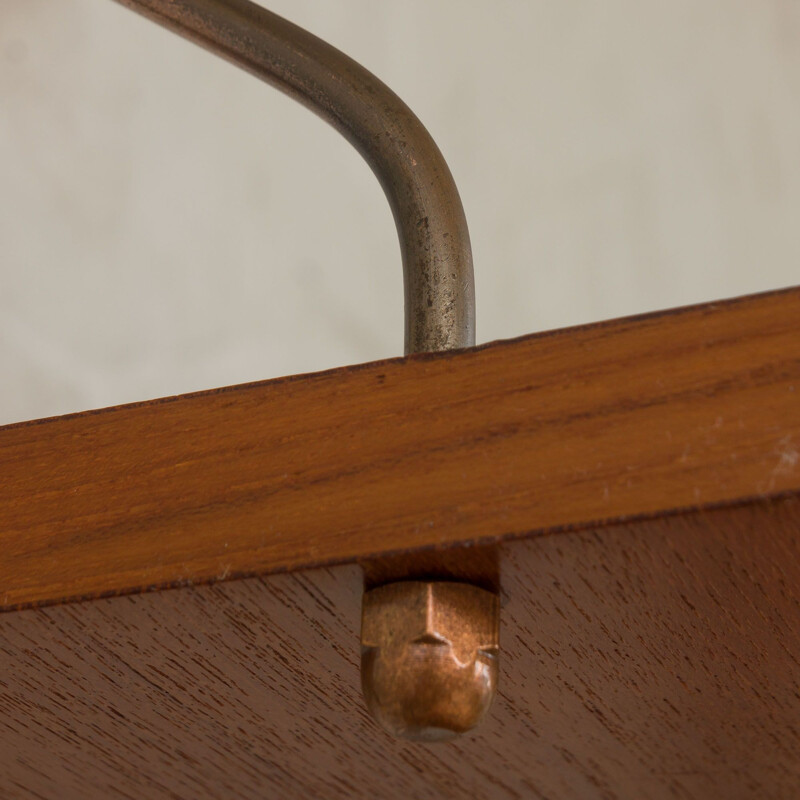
x=168, y=223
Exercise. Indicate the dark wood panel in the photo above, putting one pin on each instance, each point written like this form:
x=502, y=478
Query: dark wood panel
x=637, y=416
x=655, y=659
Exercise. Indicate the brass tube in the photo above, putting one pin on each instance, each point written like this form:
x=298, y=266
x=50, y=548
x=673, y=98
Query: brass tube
x=434, y=241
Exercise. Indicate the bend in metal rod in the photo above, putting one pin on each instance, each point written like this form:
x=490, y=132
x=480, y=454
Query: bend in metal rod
x=434, y=240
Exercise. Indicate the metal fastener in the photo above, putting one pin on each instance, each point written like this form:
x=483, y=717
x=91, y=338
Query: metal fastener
x=429, y=660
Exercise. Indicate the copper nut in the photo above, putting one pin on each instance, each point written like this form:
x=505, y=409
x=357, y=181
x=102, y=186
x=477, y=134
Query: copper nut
x=429, y=657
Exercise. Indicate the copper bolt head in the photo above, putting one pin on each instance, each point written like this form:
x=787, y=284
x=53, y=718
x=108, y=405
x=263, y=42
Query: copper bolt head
x=429, y=657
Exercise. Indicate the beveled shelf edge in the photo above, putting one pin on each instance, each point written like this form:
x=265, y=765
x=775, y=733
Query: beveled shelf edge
x=687, y=408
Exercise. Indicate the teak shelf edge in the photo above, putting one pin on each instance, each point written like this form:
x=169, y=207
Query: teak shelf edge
x=640, y=416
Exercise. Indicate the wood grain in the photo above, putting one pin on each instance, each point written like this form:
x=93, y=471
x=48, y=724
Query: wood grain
x=654, y=659
x=675, y=410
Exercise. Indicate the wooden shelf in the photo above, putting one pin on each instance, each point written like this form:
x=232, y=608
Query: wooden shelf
x=639, y=416
x=650, y=639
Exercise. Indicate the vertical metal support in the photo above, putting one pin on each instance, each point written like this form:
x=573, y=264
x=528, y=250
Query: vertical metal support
x=434, y=241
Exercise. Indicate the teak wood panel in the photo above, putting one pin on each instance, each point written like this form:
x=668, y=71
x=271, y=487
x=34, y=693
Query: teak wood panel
x=653, y=659
x=637, y=416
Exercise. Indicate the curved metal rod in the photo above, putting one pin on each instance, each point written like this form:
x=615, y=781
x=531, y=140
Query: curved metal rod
x=437, y=258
